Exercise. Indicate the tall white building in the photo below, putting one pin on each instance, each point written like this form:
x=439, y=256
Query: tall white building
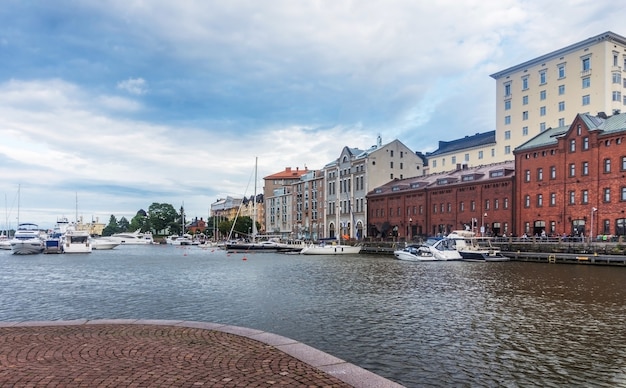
x=545, y=92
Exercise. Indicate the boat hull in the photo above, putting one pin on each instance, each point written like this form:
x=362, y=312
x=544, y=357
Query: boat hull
x=331, y=250
x=27, y=247
x=409, y=256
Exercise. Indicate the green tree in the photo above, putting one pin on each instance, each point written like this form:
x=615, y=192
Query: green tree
x=140, y=221
x=161, y=216
x=242, y=229
x=123, y=225
x=112, y=227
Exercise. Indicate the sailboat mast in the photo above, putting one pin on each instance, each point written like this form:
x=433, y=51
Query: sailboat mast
x=254, y=231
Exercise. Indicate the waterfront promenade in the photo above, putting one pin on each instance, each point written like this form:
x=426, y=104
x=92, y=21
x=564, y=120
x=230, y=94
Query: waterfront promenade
x=164, y=353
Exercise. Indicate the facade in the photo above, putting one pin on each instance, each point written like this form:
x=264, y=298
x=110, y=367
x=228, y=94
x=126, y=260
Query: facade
x=542, y=93
x=308, y=203
x=280, y=217
x=471, y=151
x=349, y=178
x=571, y=179
x=585, y=77
x=478, y=198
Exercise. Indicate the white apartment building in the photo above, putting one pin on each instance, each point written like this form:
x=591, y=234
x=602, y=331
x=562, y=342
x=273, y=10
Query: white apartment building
x=542, y=93
x=545, y=92
x=350, y=177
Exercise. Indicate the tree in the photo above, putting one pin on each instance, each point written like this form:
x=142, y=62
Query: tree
x=161, y=216
x=123, y=225
x=112, y=227
x=243, y=227
x=140, y=221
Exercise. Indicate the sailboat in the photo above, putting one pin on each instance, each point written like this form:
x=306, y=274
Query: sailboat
x=5, y=242
x=253, y=244
x=27, y=239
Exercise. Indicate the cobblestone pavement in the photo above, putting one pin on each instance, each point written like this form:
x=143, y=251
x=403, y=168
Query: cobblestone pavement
x=138, y=355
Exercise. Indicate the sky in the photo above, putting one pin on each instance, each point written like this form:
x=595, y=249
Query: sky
x=109, y=106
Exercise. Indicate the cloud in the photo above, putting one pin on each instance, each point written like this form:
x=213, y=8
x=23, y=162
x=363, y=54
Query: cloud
x=137, y=86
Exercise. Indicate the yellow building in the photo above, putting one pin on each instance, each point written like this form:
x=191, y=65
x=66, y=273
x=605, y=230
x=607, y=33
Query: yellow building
x=542, y=93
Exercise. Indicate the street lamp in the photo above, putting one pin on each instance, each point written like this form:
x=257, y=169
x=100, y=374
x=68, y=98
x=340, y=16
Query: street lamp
x=410, y=228
x=482, y=228
x=593, y=210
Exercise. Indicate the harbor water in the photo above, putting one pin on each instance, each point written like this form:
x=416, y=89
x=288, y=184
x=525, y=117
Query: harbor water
x=419, y=324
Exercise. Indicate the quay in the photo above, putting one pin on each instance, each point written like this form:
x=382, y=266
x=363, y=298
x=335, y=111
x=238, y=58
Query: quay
x=164, y=353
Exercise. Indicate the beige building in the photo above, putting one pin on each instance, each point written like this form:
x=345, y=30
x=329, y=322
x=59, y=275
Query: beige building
x=280, y=217
x=542, y=93
x=350, y=177
x=585, y=77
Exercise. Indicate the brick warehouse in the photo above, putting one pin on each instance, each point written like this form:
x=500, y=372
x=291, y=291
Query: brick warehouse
x=571, y=179
x=436, y=204
x=567, y=180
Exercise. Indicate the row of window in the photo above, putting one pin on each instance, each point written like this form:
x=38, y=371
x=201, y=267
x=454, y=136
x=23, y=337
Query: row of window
x=572, y=169
x=584, y=197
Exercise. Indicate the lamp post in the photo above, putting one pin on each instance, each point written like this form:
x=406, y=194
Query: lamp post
x=482, y=228
x=410, y=228
x=593, y=210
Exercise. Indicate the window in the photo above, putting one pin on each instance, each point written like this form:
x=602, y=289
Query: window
x=507, y=120
x=572, y=197
x=561, y=71
x=585, y=199
x=525, y=100
x=572, y=145
x=507, y=150
x=454, y=160
x=462, y=206
x=434, y=163
x=496, y=204
x=507, y=135
x=524, y=83
x=524, y=131
x=542, y=111
x=542, y=77
x=527, y=201
x=606, y=227
x=527, y=176
x=561, y=90
x=572, y=170
x=539, y=174
x=506, y=203
x=466, y=157
x=561, y=106
x=607, y=165
x=390, y=164
x=586, y=64
x=552, y=172
x=507, y=105
x=586, y=99
x=473, y=206
x=606, y=196
x=480, y=154
x=623, y=163
x=539, y=200
x=617, y=78
x=623, y=195
x=542, y=95
x=552, y=199
x=585, y=168
x=617, y=96
x=525, y=115
x=486, y=204
x=493, y=152
x=561, y=122
x=507, y=89
x=585, y=143
x=542, y=127
x=586, y=82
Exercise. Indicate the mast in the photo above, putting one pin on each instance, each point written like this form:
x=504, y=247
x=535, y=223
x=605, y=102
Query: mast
x=254, y=230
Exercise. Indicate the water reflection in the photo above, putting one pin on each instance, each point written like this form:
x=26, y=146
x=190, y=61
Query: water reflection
x=438, y=324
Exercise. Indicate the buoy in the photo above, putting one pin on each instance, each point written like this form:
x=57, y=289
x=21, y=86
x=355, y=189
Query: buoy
x=244, y=258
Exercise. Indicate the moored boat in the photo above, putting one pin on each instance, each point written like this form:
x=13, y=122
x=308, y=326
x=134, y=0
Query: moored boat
x=76, y=241
x=415, y=252
x=103, y=243
x=133, y=238
x=478, y=249
x=27, y=240
x=325, y=248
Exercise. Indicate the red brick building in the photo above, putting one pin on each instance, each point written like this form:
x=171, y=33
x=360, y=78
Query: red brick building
x=571, y=180
x=479, y=197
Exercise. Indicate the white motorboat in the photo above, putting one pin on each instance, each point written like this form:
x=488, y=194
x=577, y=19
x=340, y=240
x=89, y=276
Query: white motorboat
x=5, y=243
x=76, y=241
x=474, y=248
x=330, y=249
x=185, y=239
x=133, y=238
x=103, y=243
x=27, y=240
x=415, y=252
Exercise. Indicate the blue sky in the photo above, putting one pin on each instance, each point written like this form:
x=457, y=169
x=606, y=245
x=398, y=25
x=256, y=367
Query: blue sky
x=125, y=103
